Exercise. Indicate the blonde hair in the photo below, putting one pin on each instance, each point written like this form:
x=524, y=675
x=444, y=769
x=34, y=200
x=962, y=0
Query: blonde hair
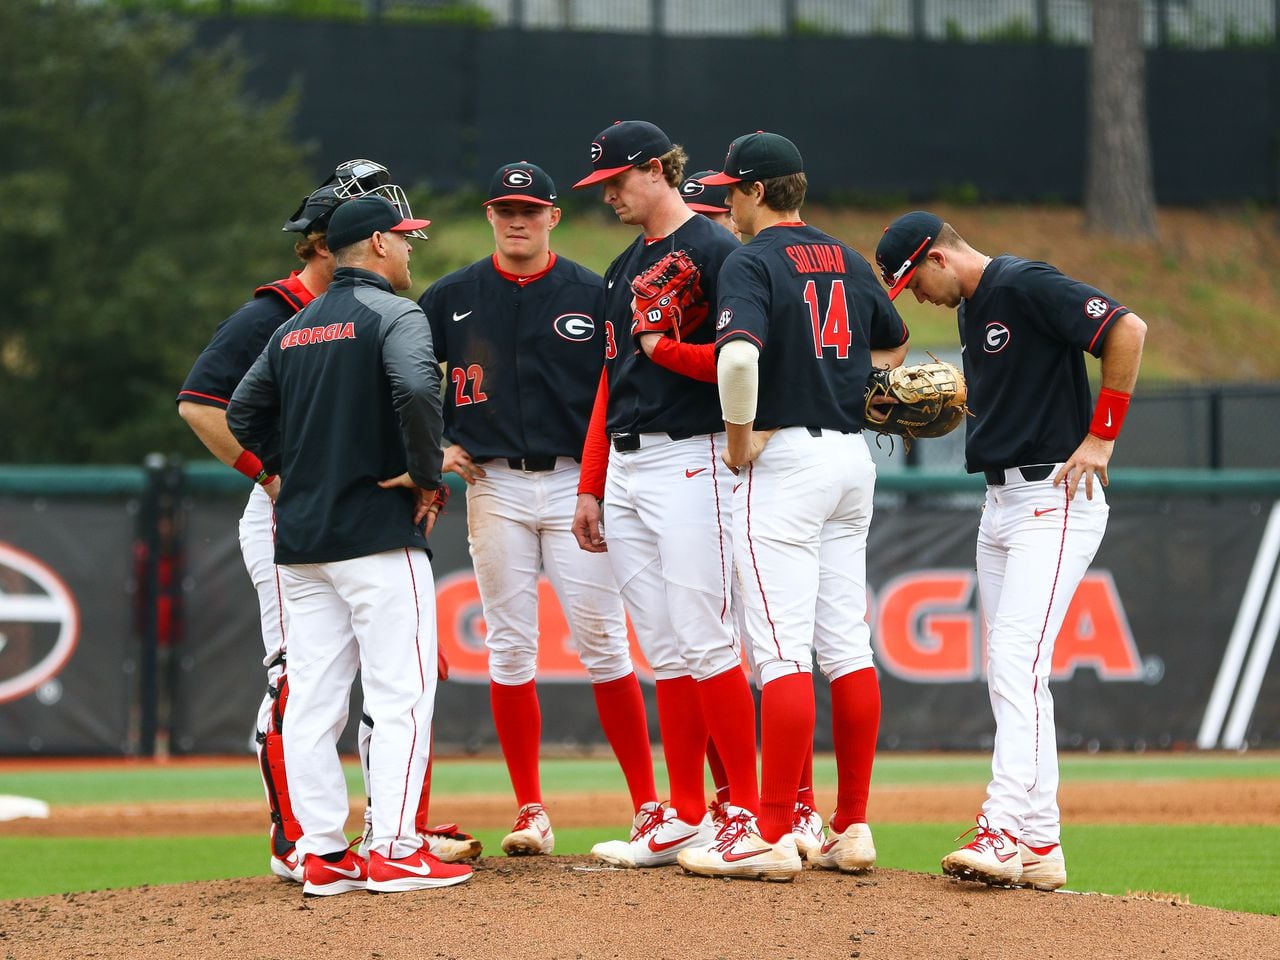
x=673, y=164
x=305, y=248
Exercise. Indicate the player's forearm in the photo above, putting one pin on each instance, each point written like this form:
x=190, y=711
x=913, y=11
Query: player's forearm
x=209, y=423
x=888, y=359
x=1122, y=353
x=694, y=360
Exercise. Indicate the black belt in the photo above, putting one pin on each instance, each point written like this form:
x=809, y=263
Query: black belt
x=819, y=431
x=1032, y=473
x=628, y=442
x=527, y=464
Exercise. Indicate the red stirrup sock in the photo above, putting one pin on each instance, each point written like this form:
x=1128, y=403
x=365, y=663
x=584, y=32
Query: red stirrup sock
x=622, y=717
x=855, y=723
x=684, y=744
x=518, y=719
x=805, y=793
x=731, y=718
x=718, y=776
x=786, y=726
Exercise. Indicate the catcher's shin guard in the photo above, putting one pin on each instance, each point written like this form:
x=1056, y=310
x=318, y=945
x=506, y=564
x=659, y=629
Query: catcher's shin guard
x=285, y=829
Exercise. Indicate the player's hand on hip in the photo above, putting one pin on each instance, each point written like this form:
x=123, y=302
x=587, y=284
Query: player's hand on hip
x=735, y=457
x=424, y=500
x=457, y=460
x=272, y=488
x=586, y=525
x=1089, y=460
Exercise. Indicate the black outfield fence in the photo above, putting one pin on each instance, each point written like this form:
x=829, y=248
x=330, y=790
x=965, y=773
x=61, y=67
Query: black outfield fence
x=128, y=624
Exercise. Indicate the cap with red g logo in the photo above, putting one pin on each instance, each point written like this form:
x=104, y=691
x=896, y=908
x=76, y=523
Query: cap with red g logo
x=703, y=197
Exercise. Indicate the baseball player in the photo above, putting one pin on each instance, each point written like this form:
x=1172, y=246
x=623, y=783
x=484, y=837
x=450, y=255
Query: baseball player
x=202, y=403
x=658, y=437
x=1024, y=330
x=698, y=361
x=800, y=321
x=708, y=200
x=344, y=402
x=523, y=335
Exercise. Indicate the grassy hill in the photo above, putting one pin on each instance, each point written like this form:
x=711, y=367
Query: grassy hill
x=1208, y=288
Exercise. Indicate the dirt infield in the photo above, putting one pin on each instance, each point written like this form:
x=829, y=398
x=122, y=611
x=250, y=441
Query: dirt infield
x=569, y=907
x=566, y=907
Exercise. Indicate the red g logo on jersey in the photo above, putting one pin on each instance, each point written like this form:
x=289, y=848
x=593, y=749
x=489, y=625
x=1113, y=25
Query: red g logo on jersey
x=1096, y=308
x=997, y=338
x=577, y=327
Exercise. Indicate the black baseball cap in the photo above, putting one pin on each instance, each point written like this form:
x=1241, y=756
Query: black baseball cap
x=522, y=181
x=625, y=144
x=361, y=218
x=758, y=156
x=703, y=198
x=903, y=247
x=313, y=212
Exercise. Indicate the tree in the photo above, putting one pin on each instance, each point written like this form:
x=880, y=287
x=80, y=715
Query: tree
x=1119, y=198
x=143, y=194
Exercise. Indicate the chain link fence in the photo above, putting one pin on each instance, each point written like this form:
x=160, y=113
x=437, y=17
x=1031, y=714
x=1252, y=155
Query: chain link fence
x=1196, y=24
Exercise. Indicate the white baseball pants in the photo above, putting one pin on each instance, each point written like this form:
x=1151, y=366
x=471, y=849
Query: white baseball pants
x=800, y=523
x=375, y=614
x=517, y=524
x=258, y=547
x=1034, y=548
x=666, y=520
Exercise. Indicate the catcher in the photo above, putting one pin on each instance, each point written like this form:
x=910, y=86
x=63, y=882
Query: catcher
x=915, y=400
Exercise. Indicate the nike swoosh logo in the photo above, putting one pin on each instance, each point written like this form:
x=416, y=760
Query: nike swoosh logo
x=632, y=156
x=1030, y=863
x=731, y=857
x=657, y=847
x=743, y=173
x=353, y=873
x=1012, y=853
x=736, y=486
x=1041, y=513
x=694, y=473
x=830, y=845
x=1108, y=423
x=420, y=869
x=462, y=316
x=610, y=284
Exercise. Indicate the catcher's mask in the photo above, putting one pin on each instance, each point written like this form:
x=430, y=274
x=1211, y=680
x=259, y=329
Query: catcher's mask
x=360, y=178
x=354, y=178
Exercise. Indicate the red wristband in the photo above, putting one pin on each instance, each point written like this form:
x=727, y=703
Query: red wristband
x=249, y=464
x=1108, y=415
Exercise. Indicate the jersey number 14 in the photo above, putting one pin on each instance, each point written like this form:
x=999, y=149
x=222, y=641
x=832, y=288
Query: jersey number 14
x=833, y=329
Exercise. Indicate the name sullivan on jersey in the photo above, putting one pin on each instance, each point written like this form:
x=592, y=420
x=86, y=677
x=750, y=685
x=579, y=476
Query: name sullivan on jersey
x=817, y=258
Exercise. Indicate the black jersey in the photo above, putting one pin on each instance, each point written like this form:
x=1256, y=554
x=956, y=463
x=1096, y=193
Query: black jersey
x=344, y=395
x=644, y=397
x=239, y=339
x=524, y=359
x=1023, y=336
x=816, y=311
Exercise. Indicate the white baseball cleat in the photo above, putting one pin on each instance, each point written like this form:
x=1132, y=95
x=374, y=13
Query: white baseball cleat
x=288, y=867
x=531, y=835
x=806, y=827
x=657, y=837
x=740, y=851
x=991, y=857
x=852, y=851
x=1043, y=867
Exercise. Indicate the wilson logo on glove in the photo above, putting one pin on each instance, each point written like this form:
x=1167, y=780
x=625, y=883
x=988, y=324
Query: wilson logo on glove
x=667, y=297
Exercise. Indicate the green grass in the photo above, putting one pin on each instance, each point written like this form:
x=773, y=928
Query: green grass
x=180, y=781
x=1234, y=868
